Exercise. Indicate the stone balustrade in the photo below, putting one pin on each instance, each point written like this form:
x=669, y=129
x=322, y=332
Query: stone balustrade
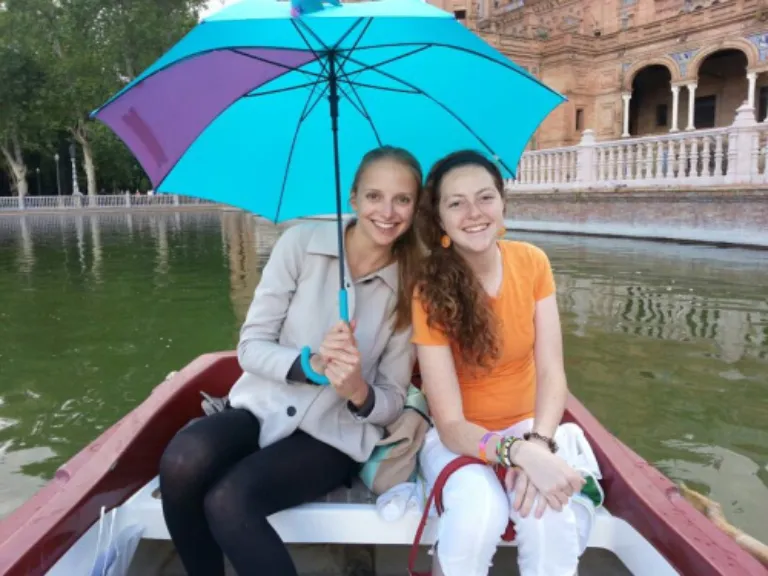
x=733, y=155
x=98, y=202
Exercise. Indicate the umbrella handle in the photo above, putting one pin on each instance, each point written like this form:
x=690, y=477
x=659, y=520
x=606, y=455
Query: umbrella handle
x=321, y=379
x=306, y=352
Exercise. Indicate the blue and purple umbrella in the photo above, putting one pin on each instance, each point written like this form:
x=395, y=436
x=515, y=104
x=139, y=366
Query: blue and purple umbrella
x=235, y=111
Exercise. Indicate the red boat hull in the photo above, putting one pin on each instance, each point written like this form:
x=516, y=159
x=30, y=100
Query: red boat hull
x=125, y=457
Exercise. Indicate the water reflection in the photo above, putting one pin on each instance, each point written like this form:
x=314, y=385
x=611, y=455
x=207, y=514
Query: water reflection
x=738, y=327
x=667, y=345
x=96, y=247
x=26, y=258
x=79, y=230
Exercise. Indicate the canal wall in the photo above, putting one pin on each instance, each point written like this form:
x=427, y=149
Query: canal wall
x=719, y=216
x=738, y=217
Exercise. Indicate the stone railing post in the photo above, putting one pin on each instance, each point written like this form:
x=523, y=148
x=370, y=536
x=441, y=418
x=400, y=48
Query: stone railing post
x=127, y=199
x=585, y=159
x=742, y=138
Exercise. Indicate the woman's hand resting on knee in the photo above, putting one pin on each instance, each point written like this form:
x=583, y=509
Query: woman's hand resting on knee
x=549, y=475
x=525, y=493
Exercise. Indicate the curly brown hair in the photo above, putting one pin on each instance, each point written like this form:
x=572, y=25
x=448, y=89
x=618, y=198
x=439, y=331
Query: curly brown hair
x=452, y=296
x=406, y=249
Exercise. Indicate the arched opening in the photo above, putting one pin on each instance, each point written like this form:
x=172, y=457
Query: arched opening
x=722, y=87
x=650, y=109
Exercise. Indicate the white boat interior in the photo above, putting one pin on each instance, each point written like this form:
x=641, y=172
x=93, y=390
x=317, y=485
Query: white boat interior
x=340, y=535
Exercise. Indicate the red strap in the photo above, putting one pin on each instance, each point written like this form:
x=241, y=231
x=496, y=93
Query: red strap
x=436, y=496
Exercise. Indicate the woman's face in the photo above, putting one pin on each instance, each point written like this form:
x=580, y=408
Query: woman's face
x=471, y=209
x=385, y=200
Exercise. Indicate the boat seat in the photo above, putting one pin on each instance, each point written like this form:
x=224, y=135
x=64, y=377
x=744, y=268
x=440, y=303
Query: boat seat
x=345, y=516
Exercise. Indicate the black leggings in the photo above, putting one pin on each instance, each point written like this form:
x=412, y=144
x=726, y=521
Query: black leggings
x=218, y=488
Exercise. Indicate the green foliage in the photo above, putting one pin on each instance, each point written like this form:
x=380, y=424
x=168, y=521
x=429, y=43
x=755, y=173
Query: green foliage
x=24, y=88
x=60, y=59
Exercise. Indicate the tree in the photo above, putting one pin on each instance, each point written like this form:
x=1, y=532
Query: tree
x=23, y=91
x=123, y=37
x=72, y=56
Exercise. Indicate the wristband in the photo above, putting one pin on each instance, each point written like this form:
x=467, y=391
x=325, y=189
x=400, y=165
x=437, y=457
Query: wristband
x=481, y=447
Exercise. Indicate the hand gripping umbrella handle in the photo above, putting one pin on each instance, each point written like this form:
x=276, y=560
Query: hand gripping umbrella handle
x=306, y=352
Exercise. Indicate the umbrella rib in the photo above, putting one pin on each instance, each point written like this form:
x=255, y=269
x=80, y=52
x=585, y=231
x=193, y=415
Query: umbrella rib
x=302, y=117
x=309, y=111
x=366, y=67
x=363, y=112
x=386, y=88
x=357, y=106
x=444, y=107
x=508, y=66
x=273, y=63
x=359, y=38
x=348, y=32
x=279, y=90
x=306, y=42
x=308, y=29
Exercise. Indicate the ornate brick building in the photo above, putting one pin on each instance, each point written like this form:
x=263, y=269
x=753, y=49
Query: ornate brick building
x=632, y=67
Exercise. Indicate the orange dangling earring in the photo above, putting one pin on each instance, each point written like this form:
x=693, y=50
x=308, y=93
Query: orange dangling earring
x=502, y=232
x=445, y=241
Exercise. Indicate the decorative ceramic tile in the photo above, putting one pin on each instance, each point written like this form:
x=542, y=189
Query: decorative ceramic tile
x=682, y=59
x=761, y=42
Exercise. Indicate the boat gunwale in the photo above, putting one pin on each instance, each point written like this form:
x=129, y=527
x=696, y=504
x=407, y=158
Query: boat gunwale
x=125, y=457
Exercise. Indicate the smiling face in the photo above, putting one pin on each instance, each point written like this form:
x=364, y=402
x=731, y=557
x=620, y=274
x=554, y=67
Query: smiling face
x=385, y=200
x=471, y=208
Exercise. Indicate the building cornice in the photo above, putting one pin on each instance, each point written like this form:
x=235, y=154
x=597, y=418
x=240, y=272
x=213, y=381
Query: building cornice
x=668, y=30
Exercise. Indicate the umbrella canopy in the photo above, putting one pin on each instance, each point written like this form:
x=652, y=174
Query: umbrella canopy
x=237, y=112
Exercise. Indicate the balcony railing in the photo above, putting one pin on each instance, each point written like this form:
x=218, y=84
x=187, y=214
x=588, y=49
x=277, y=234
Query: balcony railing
x=733, y=155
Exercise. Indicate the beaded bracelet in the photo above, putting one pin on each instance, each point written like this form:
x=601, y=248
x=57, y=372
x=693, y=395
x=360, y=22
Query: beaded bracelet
x=551, y=444
x=504, y=449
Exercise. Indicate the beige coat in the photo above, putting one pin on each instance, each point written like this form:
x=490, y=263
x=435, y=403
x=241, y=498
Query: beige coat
x=294, y=305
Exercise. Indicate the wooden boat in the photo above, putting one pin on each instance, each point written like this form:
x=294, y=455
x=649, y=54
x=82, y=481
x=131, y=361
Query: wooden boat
x=645, y=528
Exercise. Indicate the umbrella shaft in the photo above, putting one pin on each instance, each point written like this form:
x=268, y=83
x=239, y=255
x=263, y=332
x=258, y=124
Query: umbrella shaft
x=333, y=98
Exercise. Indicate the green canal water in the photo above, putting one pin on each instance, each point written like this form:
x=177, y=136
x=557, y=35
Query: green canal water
x=666, y=344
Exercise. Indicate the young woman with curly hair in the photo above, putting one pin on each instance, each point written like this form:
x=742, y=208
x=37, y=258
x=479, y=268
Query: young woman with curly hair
x=489, y=344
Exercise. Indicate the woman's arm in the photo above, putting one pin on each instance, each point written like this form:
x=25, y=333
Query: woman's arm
x=394, y=373
x=381, y=401
x=551, y=384
x=258, y=351
x=549, y=474
x=441, y=387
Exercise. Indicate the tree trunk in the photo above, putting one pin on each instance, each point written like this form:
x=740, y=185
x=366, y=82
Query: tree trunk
x=11, y=150
x=81, y=136
x=90, y=168
x=129, y=69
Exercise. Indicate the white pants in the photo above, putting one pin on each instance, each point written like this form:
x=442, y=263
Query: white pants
x=477, y=510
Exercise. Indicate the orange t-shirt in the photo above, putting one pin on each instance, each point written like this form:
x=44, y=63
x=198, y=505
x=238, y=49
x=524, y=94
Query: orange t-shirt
x=505, y=395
